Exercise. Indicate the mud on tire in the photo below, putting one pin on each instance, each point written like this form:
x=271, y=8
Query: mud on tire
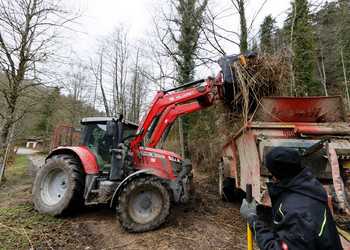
x=59, y=186
x=143, y=204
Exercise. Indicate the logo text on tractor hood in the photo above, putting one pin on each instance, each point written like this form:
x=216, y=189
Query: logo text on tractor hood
x=154, y=155
x=181, y=96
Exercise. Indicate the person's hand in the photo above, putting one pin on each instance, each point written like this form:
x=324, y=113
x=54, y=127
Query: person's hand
x=248, y=209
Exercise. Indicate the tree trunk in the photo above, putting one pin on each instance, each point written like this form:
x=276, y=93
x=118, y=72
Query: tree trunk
x=345, y=79
x=324, y=74
x=182, y=142
x=5, y=131
x=292, y=83
x=243, y=44
x=105, y=102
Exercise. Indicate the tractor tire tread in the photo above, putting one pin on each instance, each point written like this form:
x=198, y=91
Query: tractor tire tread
x=122, y=205
x=73, y=199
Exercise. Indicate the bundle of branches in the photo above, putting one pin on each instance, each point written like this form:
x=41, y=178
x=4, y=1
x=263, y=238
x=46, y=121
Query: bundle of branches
x=263, y=75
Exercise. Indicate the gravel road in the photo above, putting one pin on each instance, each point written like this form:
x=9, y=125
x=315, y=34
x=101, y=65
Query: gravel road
x=36, y=159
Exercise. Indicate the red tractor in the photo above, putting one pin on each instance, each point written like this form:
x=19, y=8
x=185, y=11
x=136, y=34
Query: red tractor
x=110, y=165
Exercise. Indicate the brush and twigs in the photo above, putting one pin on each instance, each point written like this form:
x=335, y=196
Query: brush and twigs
x=262, y=76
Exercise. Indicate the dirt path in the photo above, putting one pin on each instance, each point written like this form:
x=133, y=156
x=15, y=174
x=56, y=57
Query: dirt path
x=204, y=222
x=36, y=159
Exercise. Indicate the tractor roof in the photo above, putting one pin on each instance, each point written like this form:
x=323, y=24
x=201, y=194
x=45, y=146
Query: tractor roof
x=104, y=120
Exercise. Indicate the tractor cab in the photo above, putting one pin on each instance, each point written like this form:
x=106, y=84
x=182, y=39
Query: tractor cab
x=96, y=139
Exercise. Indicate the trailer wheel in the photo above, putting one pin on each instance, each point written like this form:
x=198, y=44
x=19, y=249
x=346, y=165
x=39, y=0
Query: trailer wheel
x=59, y=186
x=144, y=204
x=227, y=186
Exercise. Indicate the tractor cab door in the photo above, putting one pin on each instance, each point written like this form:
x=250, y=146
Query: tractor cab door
x=95, y=138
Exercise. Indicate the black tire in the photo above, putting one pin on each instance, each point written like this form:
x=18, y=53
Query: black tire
x=227, y=188
x=59, y=186
x=143, y=204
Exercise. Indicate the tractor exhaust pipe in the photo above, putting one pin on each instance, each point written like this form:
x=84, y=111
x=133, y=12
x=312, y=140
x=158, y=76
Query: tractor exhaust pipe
x=115, y=129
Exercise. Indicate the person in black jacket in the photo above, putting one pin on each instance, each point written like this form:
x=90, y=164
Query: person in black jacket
x=301, y=218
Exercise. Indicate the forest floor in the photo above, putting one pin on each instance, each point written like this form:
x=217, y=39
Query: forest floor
x=204, y=222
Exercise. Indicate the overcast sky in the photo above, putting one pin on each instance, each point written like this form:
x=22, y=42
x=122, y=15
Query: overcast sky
x=100, y=17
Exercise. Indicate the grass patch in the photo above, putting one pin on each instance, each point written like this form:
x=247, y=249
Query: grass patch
x=17, y=172
x=22, y=227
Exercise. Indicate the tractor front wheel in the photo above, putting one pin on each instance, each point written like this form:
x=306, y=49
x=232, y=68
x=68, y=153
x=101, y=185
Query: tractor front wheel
x=59, y=186
x=144, y=204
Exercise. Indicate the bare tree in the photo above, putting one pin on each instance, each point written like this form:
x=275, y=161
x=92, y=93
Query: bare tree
x=79, y=91
x=29, y=31
x=219, y=32
x=137, y=90
x=119, y=72
x=98, y=73
x=179, y=34
x=118, y=51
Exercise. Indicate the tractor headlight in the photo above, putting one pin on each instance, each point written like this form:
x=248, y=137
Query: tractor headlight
x=176, y=165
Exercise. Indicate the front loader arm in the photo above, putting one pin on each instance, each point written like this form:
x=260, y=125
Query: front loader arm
x=170, y=114
x=203, y=94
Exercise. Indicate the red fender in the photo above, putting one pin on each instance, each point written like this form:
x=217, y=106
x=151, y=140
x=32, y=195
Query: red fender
x=86, y=157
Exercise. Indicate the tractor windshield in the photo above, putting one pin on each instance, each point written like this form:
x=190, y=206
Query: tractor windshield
x=95, y=139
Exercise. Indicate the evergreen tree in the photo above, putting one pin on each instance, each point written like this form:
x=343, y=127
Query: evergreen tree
x=302, y=42
x=185, y=34
x=331, y=25
x=243, y=43
x=343, y=46
x=188, y=21
x=267, y=29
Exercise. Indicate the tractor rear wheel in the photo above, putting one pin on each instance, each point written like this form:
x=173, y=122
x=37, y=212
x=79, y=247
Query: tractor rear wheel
x=59, y=186
x=143, y=204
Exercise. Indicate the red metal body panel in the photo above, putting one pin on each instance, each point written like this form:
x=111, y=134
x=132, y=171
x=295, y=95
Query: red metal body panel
x=163, y=100
x=249, y=163
x=286, y=120
x=230, y=152
x=170, y=114
x=159, y=161
x=293, y=109
x=333, y=159
x=86, y=157
x=335, y=128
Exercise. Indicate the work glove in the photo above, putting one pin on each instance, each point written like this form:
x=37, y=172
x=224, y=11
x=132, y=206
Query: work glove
x=248, y=210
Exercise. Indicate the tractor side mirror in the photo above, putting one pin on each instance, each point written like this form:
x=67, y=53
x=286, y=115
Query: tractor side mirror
x=111, y=128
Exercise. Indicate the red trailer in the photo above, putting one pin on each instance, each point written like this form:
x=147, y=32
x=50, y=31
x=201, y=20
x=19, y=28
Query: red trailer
x=316, y=126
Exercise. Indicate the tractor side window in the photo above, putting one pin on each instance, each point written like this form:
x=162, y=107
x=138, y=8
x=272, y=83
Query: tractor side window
x=99, y=143
x=128, y=130
x=84, y=135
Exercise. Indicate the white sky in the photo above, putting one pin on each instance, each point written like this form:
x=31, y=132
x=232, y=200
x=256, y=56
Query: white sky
x=100, y=17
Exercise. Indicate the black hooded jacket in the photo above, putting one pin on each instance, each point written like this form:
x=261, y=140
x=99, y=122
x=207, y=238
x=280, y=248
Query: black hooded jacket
x=301, y=218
